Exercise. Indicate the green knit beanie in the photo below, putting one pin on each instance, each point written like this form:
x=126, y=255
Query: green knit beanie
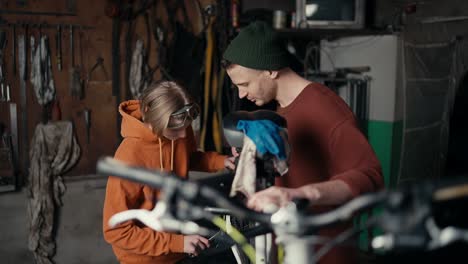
x=259, y=47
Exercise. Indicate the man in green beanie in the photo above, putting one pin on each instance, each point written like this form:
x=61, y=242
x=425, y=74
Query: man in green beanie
x=331, y=160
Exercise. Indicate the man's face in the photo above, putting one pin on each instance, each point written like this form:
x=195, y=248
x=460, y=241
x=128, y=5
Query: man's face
x=256, y=85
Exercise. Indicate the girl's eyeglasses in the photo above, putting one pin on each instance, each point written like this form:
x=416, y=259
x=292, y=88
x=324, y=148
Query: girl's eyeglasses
x=180, y=117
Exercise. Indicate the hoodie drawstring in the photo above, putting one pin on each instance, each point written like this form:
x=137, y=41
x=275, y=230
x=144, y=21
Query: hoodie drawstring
x=161, y=155
x=172, y=155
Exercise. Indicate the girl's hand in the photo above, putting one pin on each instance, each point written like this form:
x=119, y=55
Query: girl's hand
x=194, y=244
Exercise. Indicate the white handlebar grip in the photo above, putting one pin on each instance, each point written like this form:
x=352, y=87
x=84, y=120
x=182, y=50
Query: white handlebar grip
x=141, y=215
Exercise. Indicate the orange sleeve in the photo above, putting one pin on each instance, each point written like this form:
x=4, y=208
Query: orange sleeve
x=203, y=161
x=123, y=195
x=206, y=161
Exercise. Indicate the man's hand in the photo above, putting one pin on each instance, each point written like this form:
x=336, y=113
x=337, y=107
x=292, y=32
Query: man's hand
x=334, y=192
x=194, y=244
x=271, y=199
x=229, y=163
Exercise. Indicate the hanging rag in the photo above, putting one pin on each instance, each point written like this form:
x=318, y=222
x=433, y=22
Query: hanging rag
x=246, y=172
x=54, y=151
x=261, y=137
x=269, y=138
x=138, y=69
x=42, y=78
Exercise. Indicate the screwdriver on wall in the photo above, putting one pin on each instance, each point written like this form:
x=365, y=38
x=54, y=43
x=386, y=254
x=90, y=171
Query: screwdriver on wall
x=87, y=118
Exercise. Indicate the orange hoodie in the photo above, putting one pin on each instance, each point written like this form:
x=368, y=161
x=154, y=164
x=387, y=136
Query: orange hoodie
x=132, y=241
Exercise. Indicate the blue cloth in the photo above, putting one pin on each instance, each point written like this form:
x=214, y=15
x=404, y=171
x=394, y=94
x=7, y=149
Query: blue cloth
x=266, y=136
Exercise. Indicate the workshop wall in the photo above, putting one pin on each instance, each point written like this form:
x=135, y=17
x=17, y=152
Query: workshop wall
x=79, y=228
x=91, y=39
x=434, y=35
x=410, y=109
x=96, y=42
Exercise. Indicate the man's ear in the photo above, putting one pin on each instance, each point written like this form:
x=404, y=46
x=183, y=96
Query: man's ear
x=272, y=74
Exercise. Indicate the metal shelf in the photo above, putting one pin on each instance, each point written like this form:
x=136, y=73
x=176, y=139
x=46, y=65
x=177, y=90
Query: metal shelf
x=328, y=33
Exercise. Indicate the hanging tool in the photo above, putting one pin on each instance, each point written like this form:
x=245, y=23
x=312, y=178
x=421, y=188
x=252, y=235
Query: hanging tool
x=2, y=93
x=72, y=58
x=13, y=49
x=58, y=44
x=7, y=97
x=3, y=42
x=32, y=13
x=87, y=119
x=99, y=63
x=79, y=67
x=71, y=6
x=42, y=68
x=5, y=93
x=14, y=137
x=75, y=78
x=22, y=63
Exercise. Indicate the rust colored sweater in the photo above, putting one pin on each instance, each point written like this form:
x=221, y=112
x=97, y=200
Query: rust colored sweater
x=327, y=144
x=131, y=241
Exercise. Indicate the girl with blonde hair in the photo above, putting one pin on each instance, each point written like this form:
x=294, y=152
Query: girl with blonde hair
x=157, y=134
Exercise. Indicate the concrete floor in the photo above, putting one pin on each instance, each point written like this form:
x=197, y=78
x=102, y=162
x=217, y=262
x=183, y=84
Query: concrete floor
x=79, y=236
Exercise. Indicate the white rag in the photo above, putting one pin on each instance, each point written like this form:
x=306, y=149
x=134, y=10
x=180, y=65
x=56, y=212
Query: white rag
x=244, y=182
x=246, y=172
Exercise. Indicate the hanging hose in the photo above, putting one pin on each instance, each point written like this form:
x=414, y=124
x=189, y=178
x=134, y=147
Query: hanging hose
x=216, y=132
x=208, y=71
x=218, y=116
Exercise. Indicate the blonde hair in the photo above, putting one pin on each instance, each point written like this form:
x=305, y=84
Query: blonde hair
x=160, y=100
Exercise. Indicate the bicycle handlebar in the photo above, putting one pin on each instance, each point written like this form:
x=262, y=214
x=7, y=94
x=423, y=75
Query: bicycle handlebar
x=191, y=191
x=288, y=219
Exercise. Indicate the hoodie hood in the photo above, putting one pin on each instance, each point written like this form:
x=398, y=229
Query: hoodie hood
x=132, y=124
x=169, y=154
